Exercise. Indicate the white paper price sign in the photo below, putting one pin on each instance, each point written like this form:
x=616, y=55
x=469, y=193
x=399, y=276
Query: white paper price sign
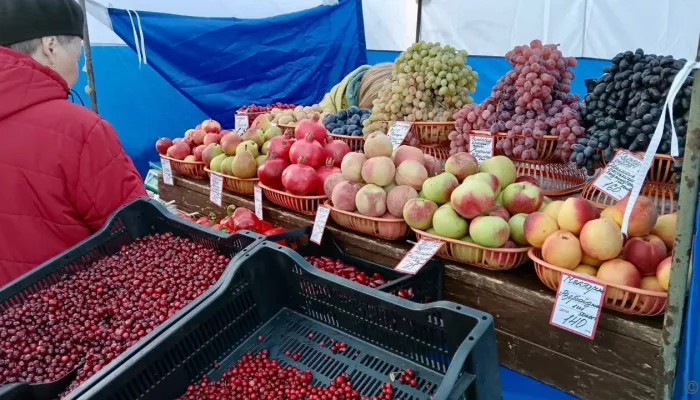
x=320, y=224
x=578, y=304
x=167, y=171
x=397, y=132
x=257, y=198
x=418, y=256
x=216, y=186
x=481, y=147
x=618, y=177
x=241, y=123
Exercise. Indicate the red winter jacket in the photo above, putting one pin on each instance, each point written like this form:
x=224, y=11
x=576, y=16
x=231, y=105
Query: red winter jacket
x=63, y=170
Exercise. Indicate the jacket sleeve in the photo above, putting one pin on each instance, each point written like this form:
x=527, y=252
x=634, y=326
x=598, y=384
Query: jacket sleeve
x=107, y=179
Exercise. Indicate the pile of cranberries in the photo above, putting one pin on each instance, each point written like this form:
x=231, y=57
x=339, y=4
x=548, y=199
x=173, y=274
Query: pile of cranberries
x=92, y=316
x=347, y=271
x=254, y=109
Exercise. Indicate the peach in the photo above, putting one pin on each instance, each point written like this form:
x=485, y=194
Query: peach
x=552, y=209
x=574, y=214
x=663, y=272
x=379, y=171
x=618, y=272
x=343, y=195
x=502, y=167
x=545, y=202
x=418, y=213
x=351, y=166
x=642, y=219
x=405, y=152
x=397, y=199
x=371, y=201
x=411, y=173
x=330, y=183
x=490, y=179
x=537, y=227
x=651, y=283
x=500, y=211
x=378, y=144
x=472, y=198
x=562, y=249
x=522, y=198
x=645, y=253
x=588, y=260
x=586, y=270
x=432, y=165
x=388, y=187
x=601, y=239
x=608, y=213
x=649, y=303
x=462, y=165
x=665, y=228
x=489, y=231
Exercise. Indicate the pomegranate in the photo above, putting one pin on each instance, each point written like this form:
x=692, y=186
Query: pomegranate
x=280, y=145
x=336, y=149
x=324, y=172
x=308, y=149
x=313, y=126
x=163, y=144
x=270, y=172
x=299, y=180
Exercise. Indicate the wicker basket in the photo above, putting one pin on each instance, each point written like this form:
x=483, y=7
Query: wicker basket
x=191, y=169
x=287, y=128
x=442, y=153
x=554, y=179
x=356, y=143
x=478, y=256
x=545, y=148
x=621, y=298
x=383, y=228
x=302, y=204
x=432, y=133
x=661, y=193
x=236, y=185
x=661, y=168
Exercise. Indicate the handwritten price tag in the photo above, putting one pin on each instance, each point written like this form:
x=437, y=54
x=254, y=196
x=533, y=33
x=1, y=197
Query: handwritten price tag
x=578, y=304
x=240, y=122
x=618, y=177
x=320, y=224
x=397, y=132
x=216, y=186
x=418, y=256
x=257, y=197
x=167, y=171
x=481, y=147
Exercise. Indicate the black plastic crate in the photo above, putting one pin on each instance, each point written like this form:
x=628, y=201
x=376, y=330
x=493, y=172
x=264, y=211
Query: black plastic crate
x=273, y=293
x=139, y=218
x=427, y=284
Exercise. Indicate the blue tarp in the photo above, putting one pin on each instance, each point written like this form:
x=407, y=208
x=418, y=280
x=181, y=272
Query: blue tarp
x=221, y=64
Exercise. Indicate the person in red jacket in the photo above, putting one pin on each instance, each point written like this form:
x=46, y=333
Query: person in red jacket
x=63, y=170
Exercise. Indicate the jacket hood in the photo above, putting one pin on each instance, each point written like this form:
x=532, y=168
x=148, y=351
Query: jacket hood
x=25, y=83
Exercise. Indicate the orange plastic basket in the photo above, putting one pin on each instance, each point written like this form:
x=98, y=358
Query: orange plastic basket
x=478, y=256
x=545, y=148
x=356, y=143
x=662, y=194
x=661, y=168
x=236, y=185
x=383, y=228
x=432, y=133
x=554, y=179
x=439, y=152
x=286, y=128
x=191, y=169
x=302, y=204
x=621, y=298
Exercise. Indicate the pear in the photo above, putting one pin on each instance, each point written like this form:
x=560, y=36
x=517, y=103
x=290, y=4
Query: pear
x=264, y=147
x=243, y=165
x=226, y=166
x=249, y=146
x=256, y=135
x=216, y=162
x=272, y=131
x=260, y=159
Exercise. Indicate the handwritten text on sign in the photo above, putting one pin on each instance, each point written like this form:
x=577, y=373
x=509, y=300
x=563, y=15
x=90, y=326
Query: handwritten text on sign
x=257, y=197
x=397, y=132
x=241, y=123
x=216, y=186
x=320, y=224
x=418, y=256
x=578, y=305
x=481, y=147
x=167, y=171
x=618, y=177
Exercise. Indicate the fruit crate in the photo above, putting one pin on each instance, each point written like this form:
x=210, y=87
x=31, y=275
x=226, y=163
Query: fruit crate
x=426, y=285
x=273, y=301
x=139, y=218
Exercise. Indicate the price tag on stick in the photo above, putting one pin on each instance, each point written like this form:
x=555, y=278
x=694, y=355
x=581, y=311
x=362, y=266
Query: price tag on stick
x=418, y=256
x=257, y=197
x=617, y=178
x=216, y=186
x=397, y=132
x=241, y=123
x=578, y=305
x=322, y=214
x=481, y=147
x=167, y=171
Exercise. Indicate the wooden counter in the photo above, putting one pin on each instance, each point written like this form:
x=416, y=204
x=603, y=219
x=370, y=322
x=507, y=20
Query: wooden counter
x=623, y=362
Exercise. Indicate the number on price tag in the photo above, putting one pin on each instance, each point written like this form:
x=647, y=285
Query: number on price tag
x=320, y=224
x=397, y=132
x=418, y=256
x=216, y=186
x=481, y=147
x=618, y=177
x=578, y=304
x=167, y=171
x=257, y=197
x=241, y=123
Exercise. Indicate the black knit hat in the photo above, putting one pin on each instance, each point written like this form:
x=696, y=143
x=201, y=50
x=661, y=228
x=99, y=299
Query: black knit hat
x=22, y=20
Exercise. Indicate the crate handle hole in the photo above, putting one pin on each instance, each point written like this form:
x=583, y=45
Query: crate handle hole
x=471, y=338
x=484, y=317
x=459, y=307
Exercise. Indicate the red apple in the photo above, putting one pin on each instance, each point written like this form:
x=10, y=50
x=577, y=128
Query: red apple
x=189, y=133
x=189, y=142
x=528, y=179
x=197, y=152
x=211, y=126
x=198, y=136
x=179, y=151
x=163, y=144
x=178, y=140
x=645, y=253
x=211, y=138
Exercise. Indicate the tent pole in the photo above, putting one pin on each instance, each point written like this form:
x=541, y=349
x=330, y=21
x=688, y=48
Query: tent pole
x=88, y=61
x=687, y=203
x=418, y=19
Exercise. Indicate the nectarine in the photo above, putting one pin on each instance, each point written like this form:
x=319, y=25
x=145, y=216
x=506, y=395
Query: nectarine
x=562, y=249
x=601, y=239
x=574, y=214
